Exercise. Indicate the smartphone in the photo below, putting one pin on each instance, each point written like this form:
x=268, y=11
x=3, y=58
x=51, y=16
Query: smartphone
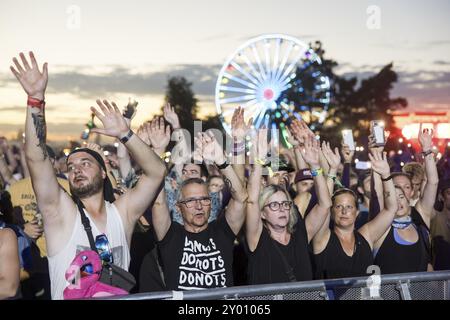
x=347, y=137
x=363, y=165
x=378, y=132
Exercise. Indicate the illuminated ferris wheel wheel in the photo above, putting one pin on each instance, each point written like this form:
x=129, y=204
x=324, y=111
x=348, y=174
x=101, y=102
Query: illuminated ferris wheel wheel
x=275, y=78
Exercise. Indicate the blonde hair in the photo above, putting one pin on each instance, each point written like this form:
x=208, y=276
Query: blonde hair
x=269, y=191
x=414, y=169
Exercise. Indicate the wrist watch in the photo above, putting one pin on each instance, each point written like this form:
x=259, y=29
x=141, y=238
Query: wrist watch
x=127, y=137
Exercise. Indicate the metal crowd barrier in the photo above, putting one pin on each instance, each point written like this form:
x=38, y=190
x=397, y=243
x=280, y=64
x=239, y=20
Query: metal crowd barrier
x=406, y=286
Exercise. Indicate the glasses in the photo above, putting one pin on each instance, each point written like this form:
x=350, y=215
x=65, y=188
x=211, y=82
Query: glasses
x=189, y=203
x=275, y=206
x=104, y=249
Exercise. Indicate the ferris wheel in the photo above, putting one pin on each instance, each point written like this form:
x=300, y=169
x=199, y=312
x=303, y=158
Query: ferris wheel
x=275, y=78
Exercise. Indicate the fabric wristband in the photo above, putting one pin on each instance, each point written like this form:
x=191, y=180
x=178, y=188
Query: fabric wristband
x=35, y=103
x=386, y=179
x=317, y=172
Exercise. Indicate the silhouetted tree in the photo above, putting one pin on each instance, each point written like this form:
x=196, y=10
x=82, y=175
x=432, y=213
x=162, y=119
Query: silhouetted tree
x=180, y=95
x=353, y=107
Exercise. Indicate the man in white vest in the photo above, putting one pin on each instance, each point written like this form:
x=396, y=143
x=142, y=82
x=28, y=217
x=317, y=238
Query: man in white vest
x=88, y=182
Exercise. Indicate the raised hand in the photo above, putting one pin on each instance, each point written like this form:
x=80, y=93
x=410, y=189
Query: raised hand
x=209, y=148
x=301, y=131
x=380, y=164
x=32, y=80
x=261, y=146
x=347, y=154
x=333, y=158
x=171, y=116
x=143, y=133
x=425, y=138
x=159, y=134
x=238, y=127
x=290, y=138
x=310, y=152
x=114, y=124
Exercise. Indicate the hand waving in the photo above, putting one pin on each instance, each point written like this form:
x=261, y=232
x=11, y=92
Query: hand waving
x=143, y=133
x=301, y=131
x=32, y=80
x=333, y=159
x=238, y=127
x=171, y=116
x=380, y=164
x=310, y=152
x=425, y=138
x=158, y=134
x=209, y=148
x=114, y=124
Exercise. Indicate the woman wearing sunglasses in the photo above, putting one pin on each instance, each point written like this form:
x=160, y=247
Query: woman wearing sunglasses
x=343, y=251
x=277, y=236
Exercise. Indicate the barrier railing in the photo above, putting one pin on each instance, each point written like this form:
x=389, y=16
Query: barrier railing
x=407, y=286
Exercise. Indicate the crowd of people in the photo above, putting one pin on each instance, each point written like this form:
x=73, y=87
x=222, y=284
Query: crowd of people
x=182, y=219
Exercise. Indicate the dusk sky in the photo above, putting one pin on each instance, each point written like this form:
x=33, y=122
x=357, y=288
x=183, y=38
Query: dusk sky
x=121, y=49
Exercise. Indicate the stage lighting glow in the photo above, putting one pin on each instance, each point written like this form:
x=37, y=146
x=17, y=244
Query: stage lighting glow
x=443, y=130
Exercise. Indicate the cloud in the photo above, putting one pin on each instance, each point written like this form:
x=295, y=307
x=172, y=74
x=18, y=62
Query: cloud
x=408, y=45
x=442, y=63
x=126, y=80
x=438, y=43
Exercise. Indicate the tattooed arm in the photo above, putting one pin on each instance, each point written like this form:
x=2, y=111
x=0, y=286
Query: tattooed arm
x=51, y=198
x=211, y=151
x=374, y=230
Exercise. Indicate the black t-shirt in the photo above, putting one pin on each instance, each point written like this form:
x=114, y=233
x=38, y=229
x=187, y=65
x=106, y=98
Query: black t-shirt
x=334, y=263
x=393, y=257
x=265, y=265
x=198, y=260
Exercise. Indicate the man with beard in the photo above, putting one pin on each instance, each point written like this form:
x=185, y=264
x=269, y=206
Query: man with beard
x=89, y=185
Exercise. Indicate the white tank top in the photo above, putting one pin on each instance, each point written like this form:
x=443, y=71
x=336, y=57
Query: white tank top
x=59, y=263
